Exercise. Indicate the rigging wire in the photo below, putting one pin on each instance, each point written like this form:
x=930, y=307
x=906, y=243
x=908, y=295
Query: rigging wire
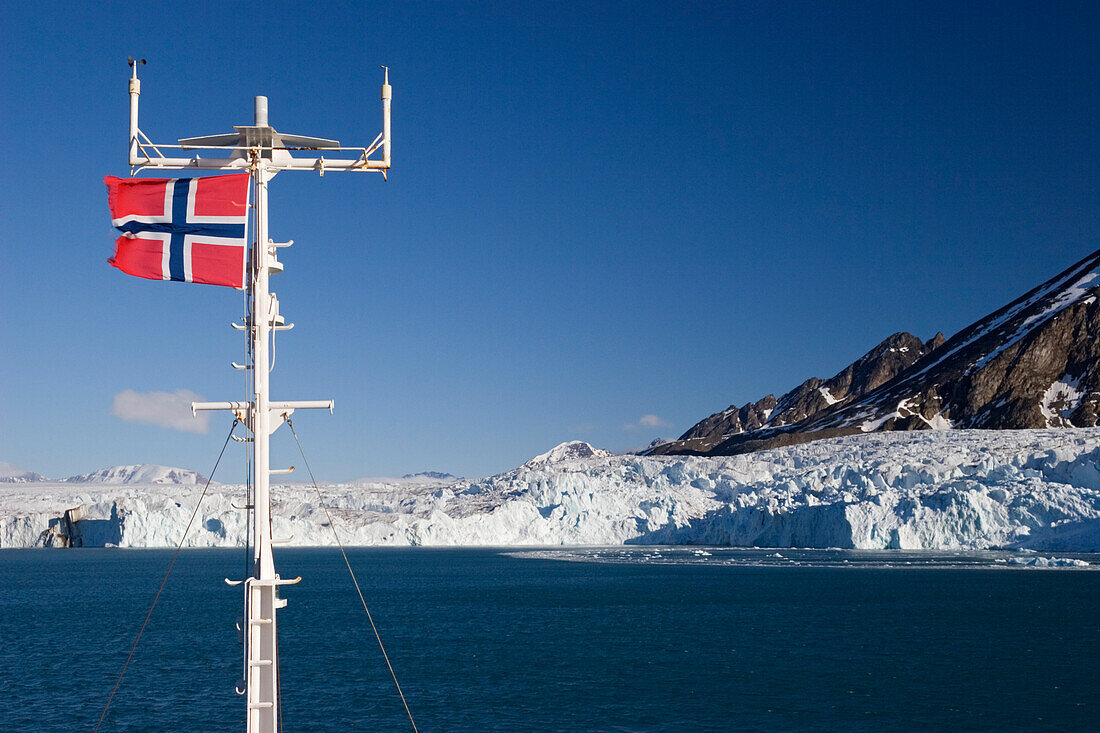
x=250, y=391
x=339, y=544
x=249, y=394
x=166, y=574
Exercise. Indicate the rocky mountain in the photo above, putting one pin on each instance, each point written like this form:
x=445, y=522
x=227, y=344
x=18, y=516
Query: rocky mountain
x=809, y=399
x=10, y=474
x=876, y=367
x=143, y=474
x=420, y=479
x=1031, y=364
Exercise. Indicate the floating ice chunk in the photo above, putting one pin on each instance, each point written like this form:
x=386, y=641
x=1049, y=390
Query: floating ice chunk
x=1048, y=562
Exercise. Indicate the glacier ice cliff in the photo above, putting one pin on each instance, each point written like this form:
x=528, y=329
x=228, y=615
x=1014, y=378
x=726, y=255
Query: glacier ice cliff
x=963, y=489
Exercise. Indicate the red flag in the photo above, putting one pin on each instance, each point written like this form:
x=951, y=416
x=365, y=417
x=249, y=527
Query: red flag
x=185, y=229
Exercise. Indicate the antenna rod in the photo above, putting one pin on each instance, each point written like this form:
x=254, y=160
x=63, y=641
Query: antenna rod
x=387, y=95
x=135, y=92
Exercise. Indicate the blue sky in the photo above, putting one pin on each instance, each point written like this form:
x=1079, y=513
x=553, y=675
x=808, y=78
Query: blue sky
x=605, y=221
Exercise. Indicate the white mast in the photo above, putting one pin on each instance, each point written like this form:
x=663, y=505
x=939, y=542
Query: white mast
x=263, y=152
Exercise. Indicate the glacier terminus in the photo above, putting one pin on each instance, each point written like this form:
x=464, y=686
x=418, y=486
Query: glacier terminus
x=935, y=490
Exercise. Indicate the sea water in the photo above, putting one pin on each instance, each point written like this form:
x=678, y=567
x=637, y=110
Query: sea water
x=608, y=639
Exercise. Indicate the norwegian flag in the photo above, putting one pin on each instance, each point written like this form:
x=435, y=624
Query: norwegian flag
x=186, y=229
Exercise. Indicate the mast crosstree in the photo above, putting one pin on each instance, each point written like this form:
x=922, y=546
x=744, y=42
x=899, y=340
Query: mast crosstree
x=263, y=152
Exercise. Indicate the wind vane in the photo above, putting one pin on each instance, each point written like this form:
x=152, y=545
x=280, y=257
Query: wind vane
x=262, y=152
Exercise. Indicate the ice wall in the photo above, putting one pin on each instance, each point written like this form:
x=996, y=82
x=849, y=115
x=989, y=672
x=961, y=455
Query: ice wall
x=964, y=489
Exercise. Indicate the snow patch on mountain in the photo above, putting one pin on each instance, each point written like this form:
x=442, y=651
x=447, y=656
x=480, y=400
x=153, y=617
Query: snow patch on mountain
x=904, y=410
x=1060, y=399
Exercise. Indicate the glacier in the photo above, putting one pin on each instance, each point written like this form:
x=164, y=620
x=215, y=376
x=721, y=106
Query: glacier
x=934, y=490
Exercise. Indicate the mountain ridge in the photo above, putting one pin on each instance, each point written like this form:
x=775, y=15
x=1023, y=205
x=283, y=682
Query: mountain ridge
x=1030, y=364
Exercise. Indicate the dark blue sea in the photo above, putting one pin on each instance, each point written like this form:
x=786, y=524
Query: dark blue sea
x=597, y=640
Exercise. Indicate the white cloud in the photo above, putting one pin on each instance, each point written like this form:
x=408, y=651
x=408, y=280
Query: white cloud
x=648, y=421
x=165, y=409
x=652, y=421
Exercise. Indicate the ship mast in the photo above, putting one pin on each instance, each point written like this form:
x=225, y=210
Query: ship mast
x=263, y=152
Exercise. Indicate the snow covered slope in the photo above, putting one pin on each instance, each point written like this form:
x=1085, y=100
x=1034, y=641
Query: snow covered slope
x=142, y=475
x=573, y=450
x=15, y=475
x=1036, y=489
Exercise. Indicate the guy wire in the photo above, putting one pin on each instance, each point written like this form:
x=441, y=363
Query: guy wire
x=168, y=572
x=339, y=544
